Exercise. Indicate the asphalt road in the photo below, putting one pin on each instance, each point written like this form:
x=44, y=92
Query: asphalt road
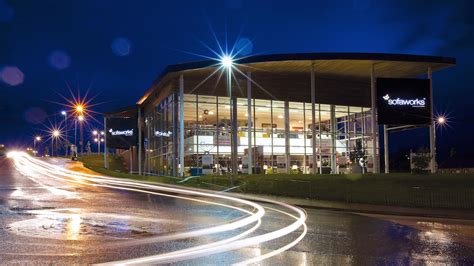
x=45, y=220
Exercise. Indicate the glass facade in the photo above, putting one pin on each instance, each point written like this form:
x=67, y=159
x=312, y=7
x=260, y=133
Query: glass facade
x=281, y=136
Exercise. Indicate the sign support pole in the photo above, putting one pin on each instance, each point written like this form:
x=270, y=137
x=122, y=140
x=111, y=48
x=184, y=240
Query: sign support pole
x=106, y=161
x=385, y=148
x=432, y=126
x=131, y=160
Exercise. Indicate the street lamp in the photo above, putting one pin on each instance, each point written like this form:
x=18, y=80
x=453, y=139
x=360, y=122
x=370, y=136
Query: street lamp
x=55, y=134
x=227, y=63
x=36, y=139
x=64, y=113
x=441, y=120
x=79, y=108
x=80, y=119
x=98, y=141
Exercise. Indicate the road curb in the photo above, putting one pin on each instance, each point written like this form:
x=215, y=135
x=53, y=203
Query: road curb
x=370, y=209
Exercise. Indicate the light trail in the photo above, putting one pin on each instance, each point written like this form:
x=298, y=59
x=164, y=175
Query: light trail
x=35, y=168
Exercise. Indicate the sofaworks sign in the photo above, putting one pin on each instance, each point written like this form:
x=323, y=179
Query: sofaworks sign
x=128, y=132
x=411, y=102
x=403, y=101
x=121, y=132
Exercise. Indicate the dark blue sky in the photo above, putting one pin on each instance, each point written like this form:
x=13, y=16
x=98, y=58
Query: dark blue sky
x=54, y=42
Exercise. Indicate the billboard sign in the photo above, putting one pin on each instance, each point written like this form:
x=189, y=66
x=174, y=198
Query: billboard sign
x=403, y=101
x=122, y=133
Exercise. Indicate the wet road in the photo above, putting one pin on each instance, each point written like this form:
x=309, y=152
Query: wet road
x=45, y=219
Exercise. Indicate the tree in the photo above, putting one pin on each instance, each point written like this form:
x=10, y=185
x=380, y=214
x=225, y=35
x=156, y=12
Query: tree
x=421, y=161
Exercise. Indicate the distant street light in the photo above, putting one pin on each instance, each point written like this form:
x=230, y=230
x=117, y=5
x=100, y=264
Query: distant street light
x=441, y=120
x=55, y=134
x=80, y=118
x=79, y=108
x=64, y=113
x=97, y=140
x=36, y=139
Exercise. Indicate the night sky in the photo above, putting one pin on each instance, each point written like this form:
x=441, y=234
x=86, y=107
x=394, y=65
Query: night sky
x=116, y=49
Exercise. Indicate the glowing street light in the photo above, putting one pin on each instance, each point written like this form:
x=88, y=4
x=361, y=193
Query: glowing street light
x=79, y=108
x=441, y=120
x=36, y=139
x=227, y=61
x=55, y=134
x=64, y=113
x=97, y=140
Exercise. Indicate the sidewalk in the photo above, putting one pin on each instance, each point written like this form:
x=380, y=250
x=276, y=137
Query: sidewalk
x=368, y=208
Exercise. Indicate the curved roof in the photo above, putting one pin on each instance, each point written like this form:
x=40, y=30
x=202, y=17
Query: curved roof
x=347, y=65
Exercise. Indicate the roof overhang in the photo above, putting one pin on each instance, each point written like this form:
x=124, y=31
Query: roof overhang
x=350, y=66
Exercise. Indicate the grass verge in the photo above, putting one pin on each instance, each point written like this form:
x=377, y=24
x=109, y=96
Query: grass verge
x=408, y=190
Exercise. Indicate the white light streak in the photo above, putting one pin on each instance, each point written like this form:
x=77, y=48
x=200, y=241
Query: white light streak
x=35, y=169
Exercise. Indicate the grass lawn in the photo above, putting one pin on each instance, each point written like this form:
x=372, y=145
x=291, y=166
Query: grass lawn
x=431, y=191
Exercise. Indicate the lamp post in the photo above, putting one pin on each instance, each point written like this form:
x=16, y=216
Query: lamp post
x=80, y=119
x=64, y=113
x=95, y=133
x=226, y=62
x=54, y=136
x=35, y=140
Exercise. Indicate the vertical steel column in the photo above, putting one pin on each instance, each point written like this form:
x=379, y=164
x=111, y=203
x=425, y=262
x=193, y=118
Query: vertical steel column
x=287, y=136
x=305, y=134
x=254, y=155
x=175, y=134
x=313, y=117
x=249, y=122
x=271, y=134
x=217, y=134
x=140, y=141
x=106, y=161
x=385, y=149
x=181, y=125
x=234, y=136
x=375, y=127
x=432, y=126
x=333, y=140
x=320, y=141
x=364, y=144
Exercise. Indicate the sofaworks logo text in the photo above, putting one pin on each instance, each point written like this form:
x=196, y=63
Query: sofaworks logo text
x=411, y=102
x=127, y=133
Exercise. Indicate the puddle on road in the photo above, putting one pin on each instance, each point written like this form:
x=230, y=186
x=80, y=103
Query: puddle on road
x=74, y=224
